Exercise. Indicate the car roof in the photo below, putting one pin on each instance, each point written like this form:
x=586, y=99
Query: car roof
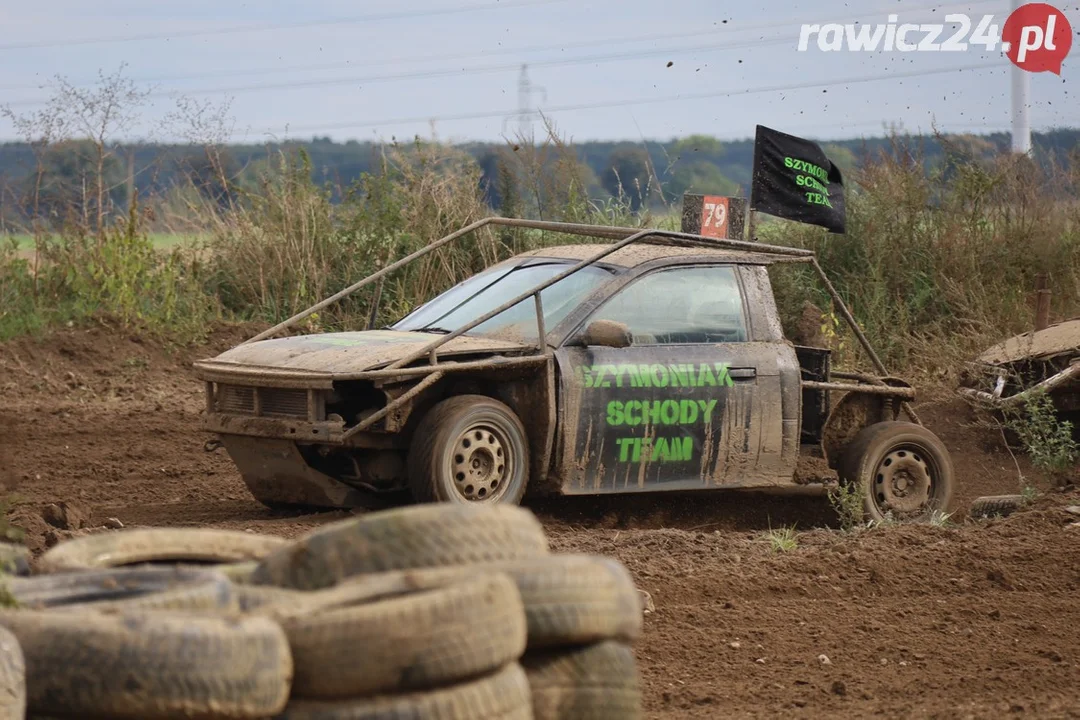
x=1062, y=337
x=639, y=254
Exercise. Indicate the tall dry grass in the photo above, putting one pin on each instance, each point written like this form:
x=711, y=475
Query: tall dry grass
x=937, y=263
x=288, y=246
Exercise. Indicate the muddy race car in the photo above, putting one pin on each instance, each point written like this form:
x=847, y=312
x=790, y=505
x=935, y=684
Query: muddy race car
x=653, y=362
x=1048, y=360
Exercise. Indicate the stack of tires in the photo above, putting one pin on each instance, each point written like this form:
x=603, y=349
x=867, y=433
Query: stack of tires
x=435, y=611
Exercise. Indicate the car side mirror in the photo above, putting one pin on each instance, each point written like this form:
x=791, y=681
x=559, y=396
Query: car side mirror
x=607, y=333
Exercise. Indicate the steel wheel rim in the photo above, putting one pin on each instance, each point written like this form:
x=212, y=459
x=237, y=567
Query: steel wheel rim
x=904, y=482
x=480, y=463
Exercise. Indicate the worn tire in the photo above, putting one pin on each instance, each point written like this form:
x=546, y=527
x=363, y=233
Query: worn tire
x=869, y=452
x=14, y=559
x=239, y=572
x=416, y=641
x=432, y=465
x=503, y=695
x=568, y=599
x=158, y=545
x=594, y=682
x=267, y=599
x=12, y=678
x=141, y=588
x=576, y=599
x=412, y=537
x=995, y=506
x=152, y=664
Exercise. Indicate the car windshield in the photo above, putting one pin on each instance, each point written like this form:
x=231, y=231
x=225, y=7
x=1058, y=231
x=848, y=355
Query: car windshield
x=482, y=293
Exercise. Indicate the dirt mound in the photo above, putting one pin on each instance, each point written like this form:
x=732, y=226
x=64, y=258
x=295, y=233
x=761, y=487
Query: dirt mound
x=103, y=362
x=975, y=620
x=107, y=419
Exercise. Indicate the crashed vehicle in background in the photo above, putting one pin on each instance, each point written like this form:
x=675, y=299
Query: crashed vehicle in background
x=1008, y=373
x=653, y=362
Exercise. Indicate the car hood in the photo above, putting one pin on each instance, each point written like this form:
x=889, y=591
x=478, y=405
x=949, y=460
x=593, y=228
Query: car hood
x=348, y=352
x=1054, y=340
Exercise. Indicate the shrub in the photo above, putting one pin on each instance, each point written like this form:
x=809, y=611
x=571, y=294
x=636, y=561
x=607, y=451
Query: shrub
x=1048, y=440
x=937, y=263
x=848, y=500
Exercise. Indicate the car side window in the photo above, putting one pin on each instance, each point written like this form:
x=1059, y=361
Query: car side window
x=684, y=305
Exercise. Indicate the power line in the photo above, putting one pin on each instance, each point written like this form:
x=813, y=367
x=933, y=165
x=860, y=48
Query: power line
x=638, y=101
x=273, y=70
x=446, y=72
x=270, y=70
x=453, y=72
x=484, y=69
x=262, y=27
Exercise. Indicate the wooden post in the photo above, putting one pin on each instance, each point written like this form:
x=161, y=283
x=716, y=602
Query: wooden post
x=1042, y=301
x=130, y=179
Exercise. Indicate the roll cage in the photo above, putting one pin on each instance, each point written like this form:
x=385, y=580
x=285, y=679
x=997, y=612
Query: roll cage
x=432, y=371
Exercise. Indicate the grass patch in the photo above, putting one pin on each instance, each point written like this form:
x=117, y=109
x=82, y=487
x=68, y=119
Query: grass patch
x=1029, y=493
x=782, y=540
x=940, y=518
x=116, y=273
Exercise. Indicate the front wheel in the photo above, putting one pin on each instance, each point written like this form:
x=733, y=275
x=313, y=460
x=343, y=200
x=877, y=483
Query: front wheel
x=903, y=469
x=469, y=449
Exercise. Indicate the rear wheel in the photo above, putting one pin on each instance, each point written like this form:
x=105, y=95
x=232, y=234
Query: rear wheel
x=904, y=470
x=469, y=449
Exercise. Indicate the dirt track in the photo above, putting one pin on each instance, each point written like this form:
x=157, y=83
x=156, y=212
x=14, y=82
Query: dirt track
x=979, y=620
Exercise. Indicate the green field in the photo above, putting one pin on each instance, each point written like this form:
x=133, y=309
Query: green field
x=161, y=241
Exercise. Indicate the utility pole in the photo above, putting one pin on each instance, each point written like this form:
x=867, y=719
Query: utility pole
x=1021, y=104
x=524, y=95
x=525, y=113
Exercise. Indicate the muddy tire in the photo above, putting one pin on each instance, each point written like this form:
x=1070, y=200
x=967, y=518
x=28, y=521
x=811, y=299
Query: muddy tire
x=14, y=559
x=503, y=695
x=267, y=599
x=413, y=642
x=151, y=664
x=996, y=506
x=12, y=678
x=158, y=545
x=419, y=536
x=126, y=589
x=469, y=449
x=576, y=600
x=595, y=682
x=568, y=599
x=904, y=470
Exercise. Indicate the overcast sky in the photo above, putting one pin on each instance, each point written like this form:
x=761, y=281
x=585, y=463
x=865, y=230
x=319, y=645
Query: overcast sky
x=600, y=69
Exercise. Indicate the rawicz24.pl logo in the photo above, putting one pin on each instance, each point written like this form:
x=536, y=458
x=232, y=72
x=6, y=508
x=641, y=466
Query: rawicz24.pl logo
x=1035, y=37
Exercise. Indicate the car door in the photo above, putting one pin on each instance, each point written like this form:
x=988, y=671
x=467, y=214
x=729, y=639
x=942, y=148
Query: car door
x=691, y=403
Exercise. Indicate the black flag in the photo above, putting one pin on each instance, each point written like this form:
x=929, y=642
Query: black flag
x=793, y=179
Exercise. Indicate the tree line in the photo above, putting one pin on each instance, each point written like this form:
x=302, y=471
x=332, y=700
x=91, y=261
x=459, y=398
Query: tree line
x=47, y=180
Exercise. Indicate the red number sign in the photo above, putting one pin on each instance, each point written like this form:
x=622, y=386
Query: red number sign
x=714, y=216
